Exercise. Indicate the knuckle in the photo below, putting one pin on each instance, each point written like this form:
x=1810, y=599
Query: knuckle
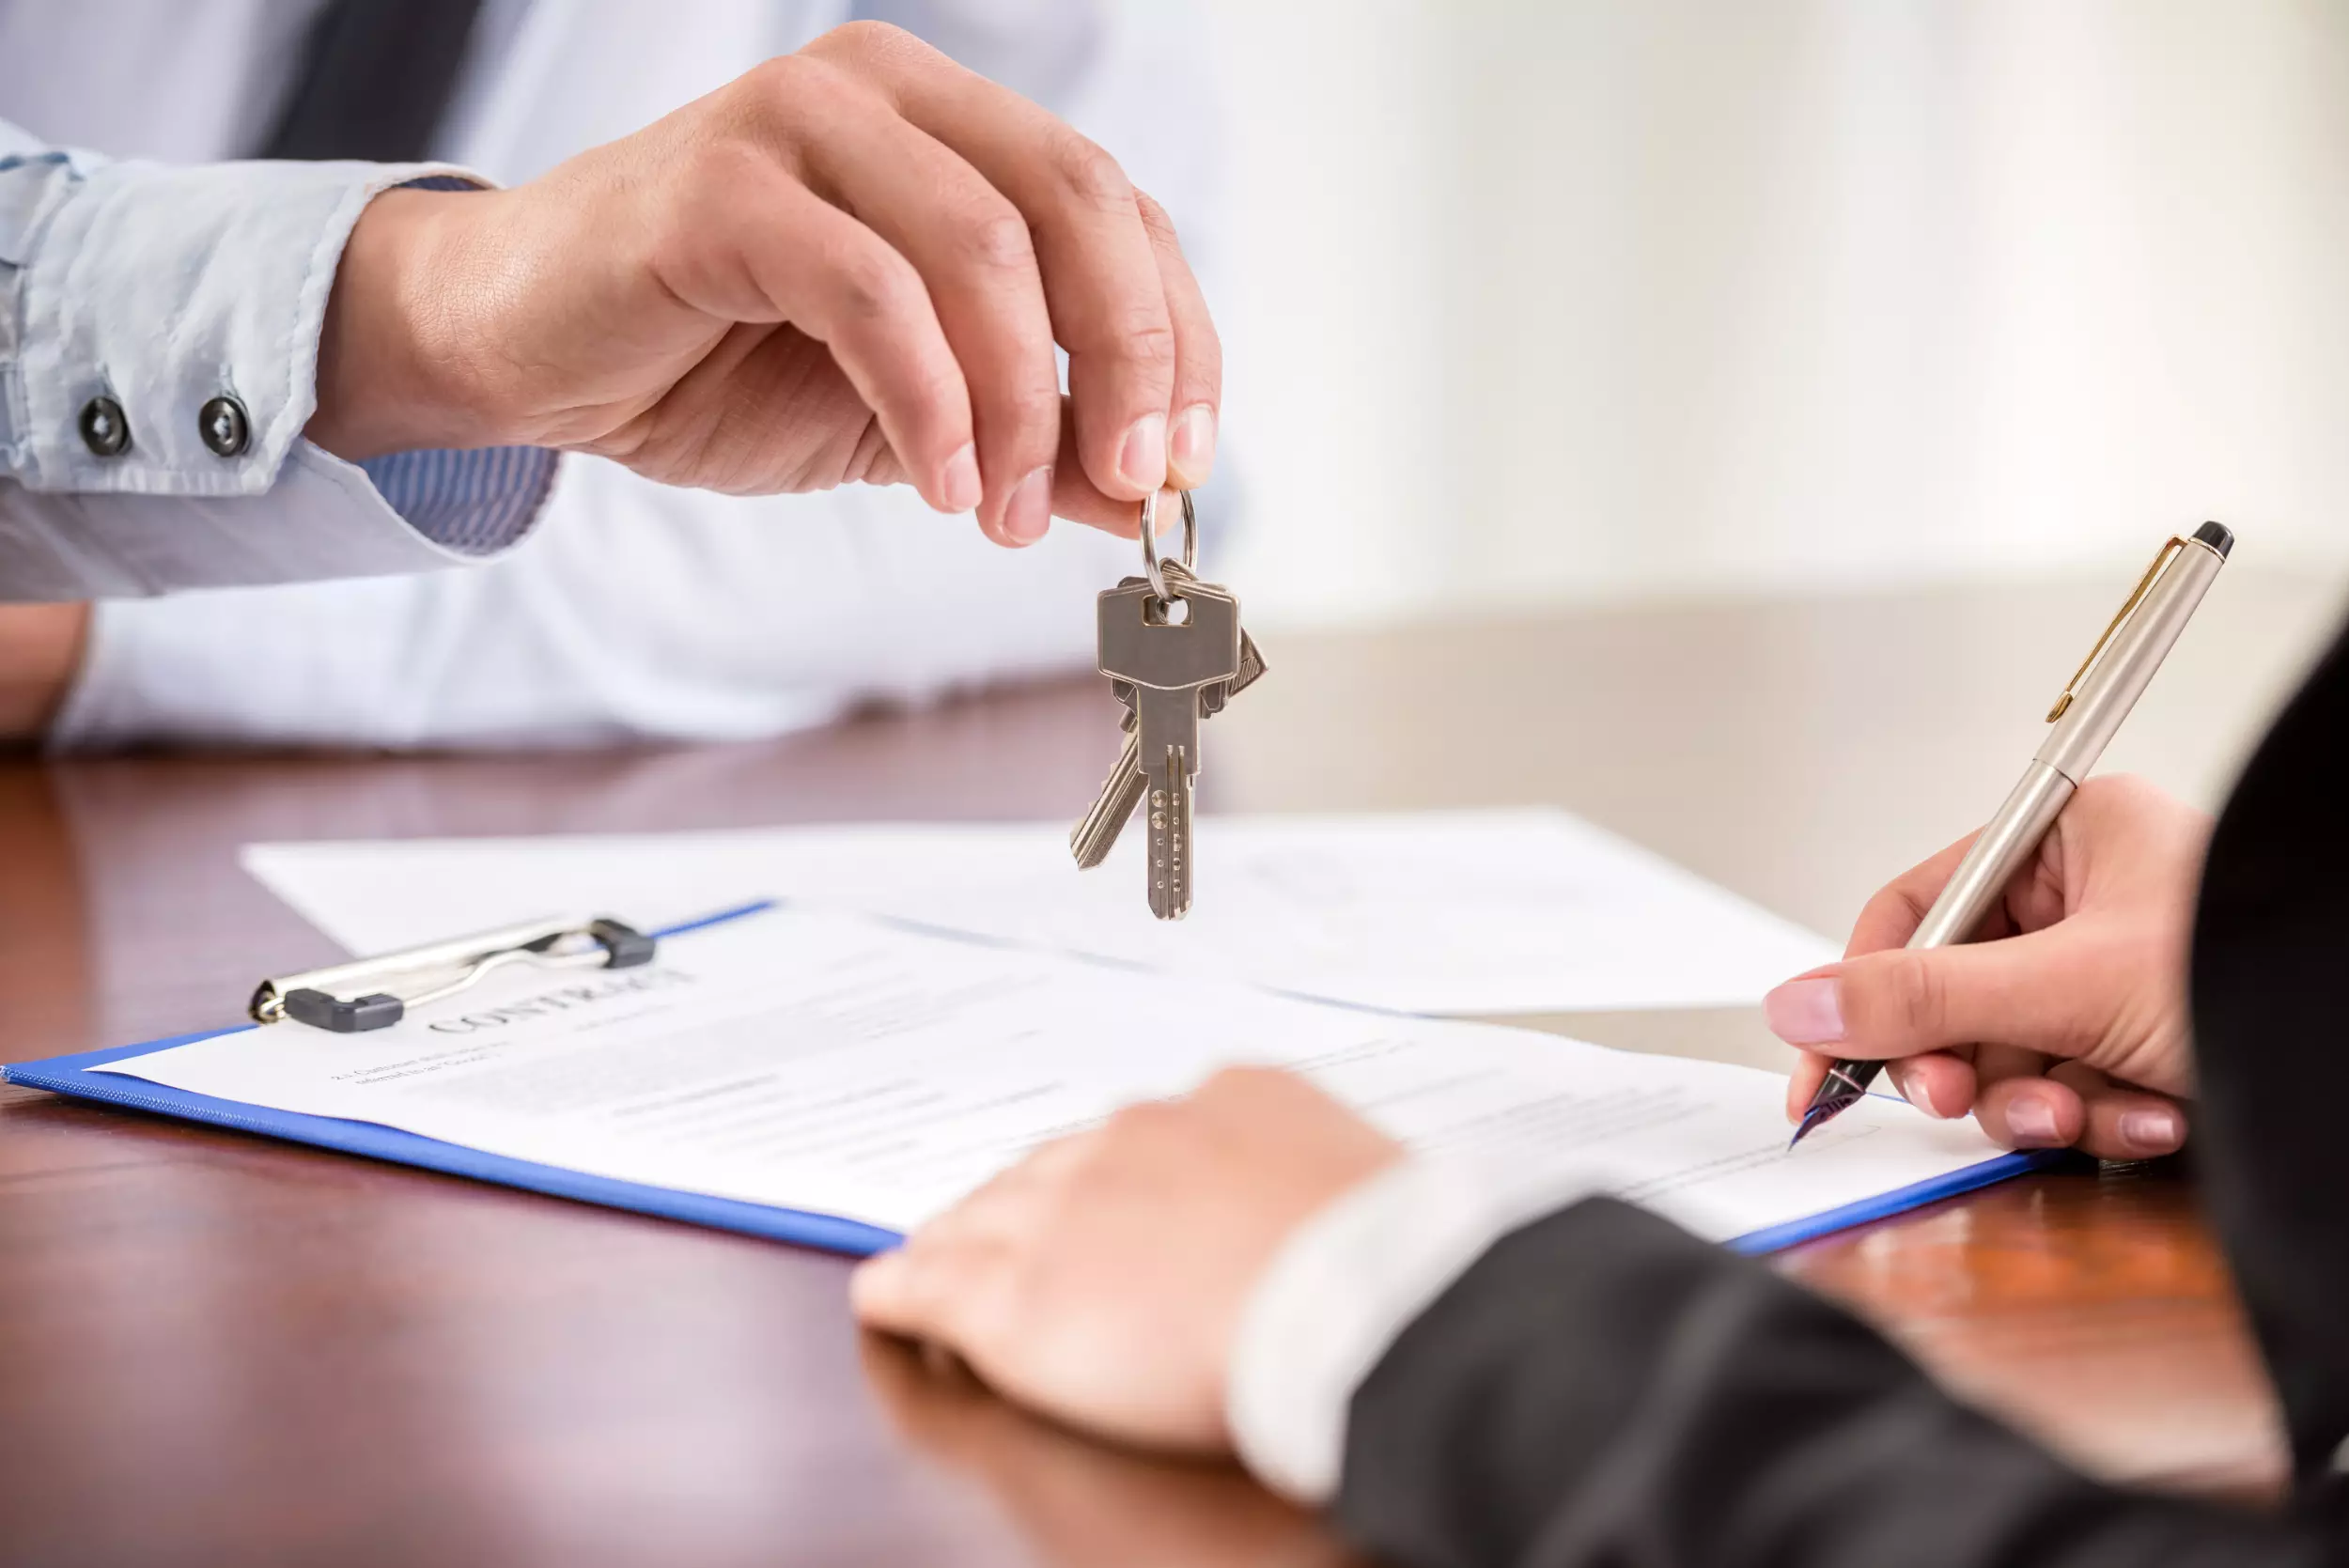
x=866, y=44
x=2107, y=787
x=996, y=239
x=1888, y=906
x=1137, y=333
x=1249, y=1077
x=872, y=283
x=1143, y=1119
x=1032, y=413
x=1225, y=1083
x=1090, y=174
x=2128, y=794
x=1149, y=343
x=1915, y=995
x=789, y=79
x=1154, y=220
x=777, y=108
x=719, y=171
x=765, y=80
x=783, y=70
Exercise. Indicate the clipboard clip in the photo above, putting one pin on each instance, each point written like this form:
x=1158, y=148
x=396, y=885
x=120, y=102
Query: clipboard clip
x=376, y=993
x=2162, y=558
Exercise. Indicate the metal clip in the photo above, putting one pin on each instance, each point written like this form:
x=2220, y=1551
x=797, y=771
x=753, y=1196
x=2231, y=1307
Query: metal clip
x=444, y=969
x=2137, y=596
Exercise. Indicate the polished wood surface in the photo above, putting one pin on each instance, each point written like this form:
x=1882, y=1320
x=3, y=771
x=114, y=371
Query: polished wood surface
x=218, y=1348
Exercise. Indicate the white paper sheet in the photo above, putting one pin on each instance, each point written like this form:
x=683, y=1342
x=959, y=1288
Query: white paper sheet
x=1459, y=912
x=847, y=1066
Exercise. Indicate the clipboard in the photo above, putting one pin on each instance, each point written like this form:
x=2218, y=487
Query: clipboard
x=80, y=1076
x=75, y=1076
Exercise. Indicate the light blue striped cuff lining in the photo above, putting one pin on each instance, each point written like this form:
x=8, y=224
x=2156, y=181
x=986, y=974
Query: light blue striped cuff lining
x=476, y=503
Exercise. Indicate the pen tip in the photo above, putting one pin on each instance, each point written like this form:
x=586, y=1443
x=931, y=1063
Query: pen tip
x=1812, y=1120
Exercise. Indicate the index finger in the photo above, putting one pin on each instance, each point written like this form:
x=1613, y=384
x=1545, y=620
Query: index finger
x=1102, y=282
x=1892, y=916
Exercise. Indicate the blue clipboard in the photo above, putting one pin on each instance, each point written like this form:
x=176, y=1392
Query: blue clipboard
x=75, y=1076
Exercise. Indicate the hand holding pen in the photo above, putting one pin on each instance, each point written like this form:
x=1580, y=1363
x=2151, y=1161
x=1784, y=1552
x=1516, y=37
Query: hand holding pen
x=2064, y=1022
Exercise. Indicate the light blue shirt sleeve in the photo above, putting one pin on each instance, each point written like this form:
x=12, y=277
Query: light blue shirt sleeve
x=145, y=292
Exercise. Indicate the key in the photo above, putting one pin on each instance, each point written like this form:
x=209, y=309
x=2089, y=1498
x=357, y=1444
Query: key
x=1091, y=839
x=1168, y=662
x=1097, y=833
x=1251, y=665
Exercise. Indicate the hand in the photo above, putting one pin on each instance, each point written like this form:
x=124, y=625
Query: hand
x=2065, y=1021
x=849, y=264
x=40, y=649
x=1101, y=1280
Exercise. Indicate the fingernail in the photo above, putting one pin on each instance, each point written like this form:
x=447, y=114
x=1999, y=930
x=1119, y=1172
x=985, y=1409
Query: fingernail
x=1806, y=1012
x=1028, y=512
x=1904, y=1080
x=2155, y=1131
x=1143, y=462
x=1193, y=446
x=2032, y=1122
x=960, y=485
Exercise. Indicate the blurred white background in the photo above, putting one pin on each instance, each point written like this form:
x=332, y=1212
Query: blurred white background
x=1607, y=299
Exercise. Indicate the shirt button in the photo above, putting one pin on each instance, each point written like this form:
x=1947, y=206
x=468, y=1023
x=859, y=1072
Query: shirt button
x=104, y=429
x=224, y=426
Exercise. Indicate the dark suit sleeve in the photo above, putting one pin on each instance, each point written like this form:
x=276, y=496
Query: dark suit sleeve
x=1603, y=1388
x=2271, y=1034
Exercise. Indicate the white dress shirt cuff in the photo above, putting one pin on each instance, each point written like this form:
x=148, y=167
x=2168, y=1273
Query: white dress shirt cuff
x=163, y=287
x=1340, y=1290
x=149, y=292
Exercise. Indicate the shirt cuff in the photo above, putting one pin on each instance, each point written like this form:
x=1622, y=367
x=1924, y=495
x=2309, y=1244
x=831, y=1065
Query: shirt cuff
x=1343, y=1288
x=159, y=332
x=147, y=291
x=325, y=517
x=476, y=503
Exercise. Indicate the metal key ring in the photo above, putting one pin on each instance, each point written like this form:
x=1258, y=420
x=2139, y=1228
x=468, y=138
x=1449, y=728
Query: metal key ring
x=1150, y=540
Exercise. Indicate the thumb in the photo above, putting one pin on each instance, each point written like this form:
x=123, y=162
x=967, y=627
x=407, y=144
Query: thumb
x=2025, y=991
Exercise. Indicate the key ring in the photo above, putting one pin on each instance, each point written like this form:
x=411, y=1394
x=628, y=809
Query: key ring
x=1150, y=540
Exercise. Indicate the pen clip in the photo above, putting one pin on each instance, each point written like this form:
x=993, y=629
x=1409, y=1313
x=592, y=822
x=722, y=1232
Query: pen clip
x=385, y=985
x=2137, y=596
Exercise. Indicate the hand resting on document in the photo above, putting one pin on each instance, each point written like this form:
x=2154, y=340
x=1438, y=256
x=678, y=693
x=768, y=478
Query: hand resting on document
x=1101, y=1280
x=2065, y=1023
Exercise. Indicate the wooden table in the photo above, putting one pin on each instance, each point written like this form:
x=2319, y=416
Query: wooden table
x=217, y=1348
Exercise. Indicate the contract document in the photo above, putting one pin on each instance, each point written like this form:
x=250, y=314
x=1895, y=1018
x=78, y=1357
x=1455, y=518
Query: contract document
x=1458, y=912
x=835, y=1065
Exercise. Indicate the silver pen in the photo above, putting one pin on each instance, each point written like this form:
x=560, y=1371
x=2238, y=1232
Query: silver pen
x=2085, y=717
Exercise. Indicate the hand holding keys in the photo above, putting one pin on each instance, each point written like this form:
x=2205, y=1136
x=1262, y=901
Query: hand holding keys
x=1174, y=648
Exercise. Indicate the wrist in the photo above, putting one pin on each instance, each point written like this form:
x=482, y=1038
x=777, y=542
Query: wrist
x=40, y=652
x=397, y=368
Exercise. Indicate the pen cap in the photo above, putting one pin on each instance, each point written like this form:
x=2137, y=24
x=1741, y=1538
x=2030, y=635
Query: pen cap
x=2120, y=671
